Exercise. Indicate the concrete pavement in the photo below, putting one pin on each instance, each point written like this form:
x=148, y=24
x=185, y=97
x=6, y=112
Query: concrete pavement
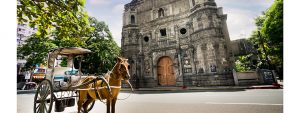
x=222, y=101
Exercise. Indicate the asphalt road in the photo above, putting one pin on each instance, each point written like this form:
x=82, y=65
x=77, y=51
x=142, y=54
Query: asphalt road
x=247, y=101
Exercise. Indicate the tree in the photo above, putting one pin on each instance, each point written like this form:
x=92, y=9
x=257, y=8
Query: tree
x=105, y=49
x=67, y=17
x=64, y=20
x=272, y=32
x=36, y=50
x=68, y=25
x=269, y=45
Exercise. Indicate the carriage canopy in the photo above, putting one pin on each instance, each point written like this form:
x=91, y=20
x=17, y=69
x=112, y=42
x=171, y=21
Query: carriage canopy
x=71, y=51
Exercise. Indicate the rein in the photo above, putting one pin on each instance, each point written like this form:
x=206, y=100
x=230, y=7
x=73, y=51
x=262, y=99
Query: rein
x=119, y=87
x=127, y=81
x=111, y=76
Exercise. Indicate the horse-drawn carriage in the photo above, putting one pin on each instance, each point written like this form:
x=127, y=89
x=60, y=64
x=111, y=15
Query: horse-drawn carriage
x=62, y=85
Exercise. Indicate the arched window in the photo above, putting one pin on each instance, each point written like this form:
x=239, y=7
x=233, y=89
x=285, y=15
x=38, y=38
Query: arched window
x=132, y=19
x=163, y=32
x=161, y=12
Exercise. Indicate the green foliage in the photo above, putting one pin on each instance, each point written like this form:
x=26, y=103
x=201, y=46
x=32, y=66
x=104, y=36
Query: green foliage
x=239, y=67
x=270, y=25
x=67, y=17
x=268, y=46
x=246, y=63
x=272, y=31
x=100, y=41
x=105, y=50
x=36, y=50
x=67, y=41
x=68, y=25
x=64, y=62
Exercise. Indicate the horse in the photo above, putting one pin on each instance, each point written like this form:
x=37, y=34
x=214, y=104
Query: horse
x=114, y=78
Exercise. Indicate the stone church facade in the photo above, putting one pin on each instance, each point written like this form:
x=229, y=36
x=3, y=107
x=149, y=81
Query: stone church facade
x=177, y=43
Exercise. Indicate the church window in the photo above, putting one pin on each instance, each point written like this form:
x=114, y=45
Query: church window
x=213, y=68
x=146, y=38
x=182, y=31
x=161, y=12
x=201, y=70
x=132, y=19
x=163, y=32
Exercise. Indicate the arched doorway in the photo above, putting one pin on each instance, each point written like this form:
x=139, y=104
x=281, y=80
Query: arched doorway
x=165, y=72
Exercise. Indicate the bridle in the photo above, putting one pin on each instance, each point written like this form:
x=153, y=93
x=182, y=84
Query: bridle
x=113, y=75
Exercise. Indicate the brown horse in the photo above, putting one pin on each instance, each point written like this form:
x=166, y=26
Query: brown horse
x=119, y=72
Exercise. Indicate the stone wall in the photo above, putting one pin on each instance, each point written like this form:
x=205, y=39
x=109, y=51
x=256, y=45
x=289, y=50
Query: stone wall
x=193, y=33
x=247, y=78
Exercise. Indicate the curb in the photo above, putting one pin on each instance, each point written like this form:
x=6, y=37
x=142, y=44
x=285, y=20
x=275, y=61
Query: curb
x=188, y=89
x=266, y=87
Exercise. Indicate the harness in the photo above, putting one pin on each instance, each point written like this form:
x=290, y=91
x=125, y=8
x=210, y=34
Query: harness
x=111, y=75
x=96, y=89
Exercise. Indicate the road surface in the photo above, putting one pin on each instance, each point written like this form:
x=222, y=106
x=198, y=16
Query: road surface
x=246, y=101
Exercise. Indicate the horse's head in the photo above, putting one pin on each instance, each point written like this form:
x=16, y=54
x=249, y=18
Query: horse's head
x=123, y=68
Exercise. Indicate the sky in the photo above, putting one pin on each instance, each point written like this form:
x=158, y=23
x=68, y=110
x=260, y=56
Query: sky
x=240, y=15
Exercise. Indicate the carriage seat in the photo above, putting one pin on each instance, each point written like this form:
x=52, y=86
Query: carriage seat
x=66, y=76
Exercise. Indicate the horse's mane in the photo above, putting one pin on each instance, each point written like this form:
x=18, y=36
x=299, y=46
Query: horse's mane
x=107, y=75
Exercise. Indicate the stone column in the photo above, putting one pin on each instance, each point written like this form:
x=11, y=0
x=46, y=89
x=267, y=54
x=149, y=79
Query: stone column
x=274, y=76
x=236, y=81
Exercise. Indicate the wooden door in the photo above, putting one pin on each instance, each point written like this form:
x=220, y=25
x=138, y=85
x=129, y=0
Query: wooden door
x=165, y=72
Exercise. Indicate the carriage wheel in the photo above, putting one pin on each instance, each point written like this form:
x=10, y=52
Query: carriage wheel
x=43, y=99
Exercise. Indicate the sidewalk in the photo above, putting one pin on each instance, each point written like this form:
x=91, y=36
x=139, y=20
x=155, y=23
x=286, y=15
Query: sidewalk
x=216, y=88
x=163, y=89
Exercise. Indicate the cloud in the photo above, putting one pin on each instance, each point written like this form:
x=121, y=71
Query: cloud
x=118, y=9
x=99, y=2
x=261, y=3
x=116, y=30
x=114, y=20
x=241, y=15
x=240, y=23
x=91, y=14
x=116, y=27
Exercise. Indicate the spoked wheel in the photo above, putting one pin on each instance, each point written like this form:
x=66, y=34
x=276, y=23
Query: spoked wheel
x=43, y=99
